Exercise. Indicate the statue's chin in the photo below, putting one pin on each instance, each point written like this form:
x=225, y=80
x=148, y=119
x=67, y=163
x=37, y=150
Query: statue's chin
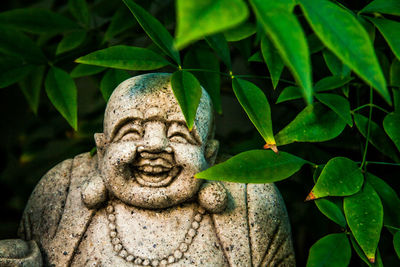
x=155, y=176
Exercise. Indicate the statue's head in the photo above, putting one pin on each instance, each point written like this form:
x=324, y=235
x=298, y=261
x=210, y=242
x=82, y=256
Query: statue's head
x=147, y=155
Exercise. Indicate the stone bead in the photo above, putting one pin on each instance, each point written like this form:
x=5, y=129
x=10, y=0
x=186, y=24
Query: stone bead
x=138, y=261
x=115, y=241
x=155, y=263
x=111, y=218
x=163, y=263
x=195, y=225
x=201, y=210
x=129, y=258
x=113, y=233
x=192, y=232
x=171, y=259
x=198, y=217
x=188, y=240
x=117, y=247
x=183, y=247
x=111, y=226
x=110, y=209
x=123, y=253
x=178, y=254
x=146, y=262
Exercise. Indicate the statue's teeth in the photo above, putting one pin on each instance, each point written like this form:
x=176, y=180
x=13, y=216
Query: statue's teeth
x=147, y=168
x=157, y=169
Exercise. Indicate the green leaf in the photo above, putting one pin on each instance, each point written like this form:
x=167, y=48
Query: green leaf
x=256, y=57
x=155, y=30
x=12, y=71
x=31, y=87
x=362, y=256
x=71, y=41
x=272, y=59
x=391, y=7
x=339, y=104
x=79, y=9
x=202, y=58
x=390, y=30
x=340, y=177
x=17, y=44
x=120, y=22
x=389, y=198
x=289, y=93
x=336, y=67
x=286, y=33
x=314, y=43
x=331, y=82
x=125, y=57
x=62, y=92
x=256, y=105
x=315, y=123
x=218, y=43
x=85, y=70
x=255, y=166
x=37, y=20
x=396, y=243
x=331, y=210
x=395, y=73
x=196, y=19
x=187, y=91
x=391, y=124
x=240, y=32
x=364, y=215
x=343, y=34
x=377, y=136
x=111, y=79
x=332, y=250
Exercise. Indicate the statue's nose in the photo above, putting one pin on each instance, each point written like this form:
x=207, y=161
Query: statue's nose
x=155, y=139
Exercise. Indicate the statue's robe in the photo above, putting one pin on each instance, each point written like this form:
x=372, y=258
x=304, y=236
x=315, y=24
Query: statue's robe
x=253, y=231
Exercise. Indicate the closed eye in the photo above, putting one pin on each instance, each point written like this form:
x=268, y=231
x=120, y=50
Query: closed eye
x=129, y=132
x=179, y=133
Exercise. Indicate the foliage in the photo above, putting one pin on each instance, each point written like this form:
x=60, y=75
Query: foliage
x=341, y=58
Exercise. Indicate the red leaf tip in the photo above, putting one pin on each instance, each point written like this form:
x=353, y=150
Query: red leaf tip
x=310, y=196
x=371, y=260
x=273, y=147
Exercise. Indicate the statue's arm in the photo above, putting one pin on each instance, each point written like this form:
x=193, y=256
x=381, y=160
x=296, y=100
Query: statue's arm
x=270, y=234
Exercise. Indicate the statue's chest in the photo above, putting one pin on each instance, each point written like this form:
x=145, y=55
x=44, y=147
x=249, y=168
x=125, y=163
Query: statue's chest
x=121, y=236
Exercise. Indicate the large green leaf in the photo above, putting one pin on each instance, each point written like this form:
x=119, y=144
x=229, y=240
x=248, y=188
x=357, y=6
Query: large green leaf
x=85, y=70
x=343, y=34
x=203, y=58
x=337, y=103
x=389, y=198
x=155, y=30
x=31, y=87
x=218, y=43
x=120, y=22
x=334, y=64
x=340, y=177
x=391, y=7
x=390, y=30
x=17, y=44
x=125, y=57
x=196, y=19
x=391, y=124
x=111, y=79
x=240, y=32
x=286, y=33
x=37, y=20
x=272, y=59
x=364, y=215
x=187, y=91
x=396, y=243
x=256, y=105
x=315, y=123
x=360, y=253
x=62, y=92
x=255, y=166
x=13, y=70
x=330, y=251
x=377, y=136
x=331, y=82
x=71, y=41
x=331, y=210
x=79, y=9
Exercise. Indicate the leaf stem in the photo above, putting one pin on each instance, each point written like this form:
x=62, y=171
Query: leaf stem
x=212, y=71
x=370, y=105
x=368, y=128
x=382, y=163
x=264, y=77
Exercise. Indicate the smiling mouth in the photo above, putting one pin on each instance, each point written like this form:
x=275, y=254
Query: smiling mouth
x=154, y=175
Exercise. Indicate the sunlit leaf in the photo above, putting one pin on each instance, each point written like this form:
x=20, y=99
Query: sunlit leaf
x=272, y=59
x=187, y=91
x=389, y=198
x=332, y=250
x=255, y=166
x=390, y=30
x=37, y=20
x=315, y=123
x=62, y=92
x=337, y=103
x=286, y=33
x=340, y=177
x=202, y=58
x=364, y=215
x=336, y=67
x=396, y=243
x=240, y=32
x=343, y=34
x=71, y=41
x=120, y=22
x=377, y=136
x=218, y=43
x=85, y=70
x=124, y=57
x=391, y=7
x=289, y=93
x=155, y=30
x=196, y=19
x=331, y=210
x=256, y=105
x=79, y=9
x=111, y=79
x=31, y=87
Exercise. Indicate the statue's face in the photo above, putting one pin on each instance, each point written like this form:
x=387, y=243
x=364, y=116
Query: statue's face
x=148, y=156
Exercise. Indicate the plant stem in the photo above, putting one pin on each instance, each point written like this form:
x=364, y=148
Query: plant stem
x=368, y=128
x=264, y=77
x=382, y=163
x=212, y=71
x=370, y=105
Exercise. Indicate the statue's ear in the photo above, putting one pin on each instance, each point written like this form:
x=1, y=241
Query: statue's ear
x=211, y=151
x=100, y=141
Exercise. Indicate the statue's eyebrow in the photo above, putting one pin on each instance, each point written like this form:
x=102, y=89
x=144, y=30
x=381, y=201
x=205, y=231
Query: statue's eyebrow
x=122, y=123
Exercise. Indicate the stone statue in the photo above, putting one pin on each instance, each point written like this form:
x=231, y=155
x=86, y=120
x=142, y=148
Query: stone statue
x=136, y=202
